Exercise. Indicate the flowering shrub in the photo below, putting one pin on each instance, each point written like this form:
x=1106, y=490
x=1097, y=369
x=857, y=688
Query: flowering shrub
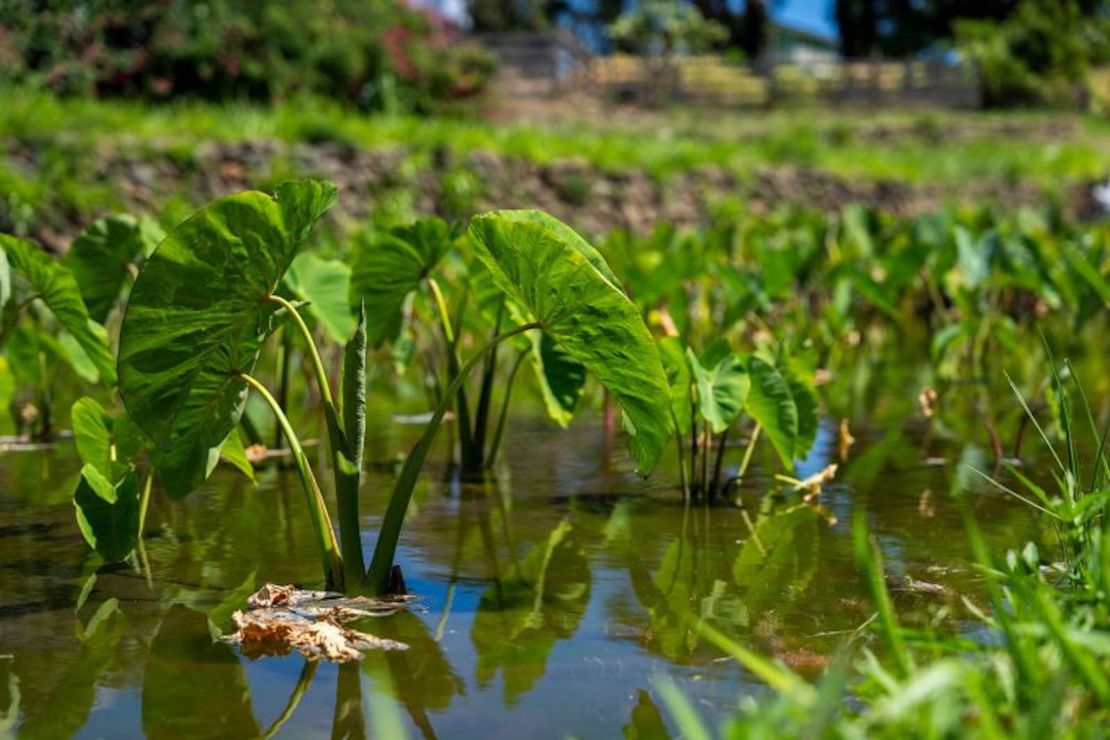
x=374, y=54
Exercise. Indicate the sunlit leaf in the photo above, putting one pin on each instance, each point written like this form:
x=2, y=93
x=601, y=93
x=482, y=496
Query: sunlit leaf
x=722, y=388
x=771, y=404
x=388, y=266
x=198, y=314
x=566, y=287
x=561, y=378
x=324, y=285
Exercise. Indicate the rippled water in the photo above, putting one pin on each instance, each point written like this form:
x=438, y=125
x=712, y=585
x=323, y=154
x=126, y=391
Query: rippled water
x=552, y=599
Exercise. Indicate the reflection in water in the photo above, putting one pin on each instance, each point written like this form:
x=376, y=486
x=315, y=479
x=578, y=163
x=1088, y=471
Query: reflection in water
x=539, y=600
x=553, y=596
x=194, y=686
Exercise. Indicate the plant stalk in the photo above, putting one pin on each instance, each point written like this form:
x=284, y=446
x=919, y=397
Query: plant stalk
x=346, y=480
x=321, y=522
x=503, y=415
x=377, y=577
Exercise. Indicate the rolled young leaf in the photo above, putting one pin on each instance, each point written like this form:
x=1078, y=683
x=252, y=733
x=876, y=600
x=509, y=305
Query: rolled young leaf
x=55, y=286
x=199, y=312
x=566, y=287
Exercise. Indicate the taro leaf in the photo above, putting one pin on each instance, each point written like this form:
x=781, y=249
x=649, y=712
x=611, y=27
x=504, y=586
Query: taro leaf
x=92, y=432
x=771, y=403
x=389, y=266
x=99, y=258
x=55, y=285
x=722, y=388
x=538, y=602
x=214, y=699
x=805, y=403
x=975, y=255
x=677, y=368
x=565, y=286
x=107, y=513
x=198, y=315
x=324, y=284
x=234, y=454
x=67, y=348
x=561, y=378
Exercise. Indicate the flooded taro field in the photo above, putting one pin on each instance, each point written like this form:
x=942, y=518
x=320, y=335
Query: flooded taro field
x=552, y=597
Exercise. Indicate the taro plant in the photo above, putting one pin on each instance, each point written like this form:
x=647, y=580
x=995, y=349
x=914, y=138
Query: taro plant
x=426, y=289
x=207, y=299
x=44, y=323
x=709, y=394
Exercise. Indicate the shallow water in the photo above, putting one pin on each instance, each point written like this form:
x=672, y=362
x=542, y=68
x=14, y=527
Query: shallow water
x=553, y=600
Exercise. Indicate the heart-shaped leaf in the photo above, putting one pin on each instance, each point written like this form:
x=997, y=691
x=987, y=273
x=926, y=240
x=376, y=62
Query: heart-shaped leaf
x=722, y=387
x=39, y=276
x=199, y=312
x=388, y=266
x=108, y=513
x=565, y=286
x=100, y=255
x=785, y=406
x=324, y=285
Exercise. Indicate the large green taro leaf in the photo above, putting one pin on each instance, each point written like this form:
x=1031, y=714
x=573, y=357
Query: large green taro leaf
x=101, y=254
x=566, y=287
x=199, y=311
x=39, y=276
x=388, y=267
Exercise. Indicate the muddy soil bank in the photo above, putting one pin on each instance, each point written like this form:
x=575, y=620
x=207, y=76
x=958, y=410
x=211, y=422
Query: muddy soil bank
x=456, y=184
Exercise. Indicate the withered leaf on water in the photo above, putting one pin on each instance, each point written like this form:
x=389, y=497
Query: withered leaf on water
x=284, y=618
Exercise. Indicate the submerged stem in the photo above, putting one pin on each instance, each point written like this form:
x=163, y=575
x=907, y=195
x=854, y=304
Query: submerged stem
x=377, y=577
x=321, y=522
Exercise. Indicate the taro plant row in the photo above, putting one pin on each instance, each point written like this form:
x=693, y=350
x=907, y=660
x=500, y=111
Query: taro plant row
x=197, y=321
x=231, y=290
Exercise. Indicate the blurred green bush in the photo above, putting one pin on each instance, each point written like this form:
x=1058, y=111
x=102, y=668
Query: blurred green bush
x=372, y=54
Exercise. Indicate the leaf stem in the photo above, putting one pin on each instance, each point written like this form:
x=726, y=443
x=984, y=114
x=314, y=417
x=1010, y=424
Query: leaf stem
x=444, y=314
x=314, y=354
x=377, y=577
x=321, y=522
x=503, y=415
